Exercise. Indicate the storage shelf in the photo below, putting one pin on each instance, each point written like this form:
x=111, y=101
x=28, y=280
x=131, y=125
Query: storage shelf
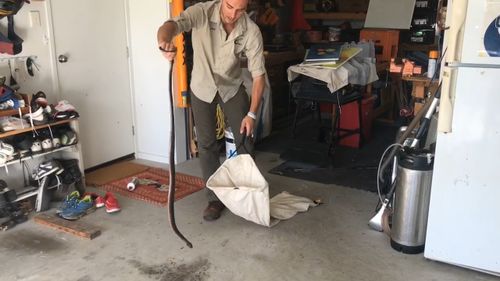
x=13, y=112
x=29, y=129
x=29, y=191
x=33, y=156
x=335, y=16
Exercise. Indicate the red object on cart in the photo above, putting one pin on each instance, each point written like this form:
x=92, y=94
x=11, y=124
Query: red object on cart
x=349, y=119
x=298, y=20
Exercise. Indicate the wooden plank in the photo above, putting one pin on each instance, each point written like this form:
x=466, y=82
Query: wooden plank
x=76, y=228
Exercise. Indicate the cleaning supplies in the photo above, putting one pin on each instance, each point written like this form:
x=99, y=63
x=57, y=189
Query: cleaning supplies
x=431, y=67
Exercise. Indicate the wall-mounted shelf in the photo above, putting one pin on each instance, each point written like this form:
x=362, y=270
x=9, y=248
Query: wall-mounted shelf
x=335, y=16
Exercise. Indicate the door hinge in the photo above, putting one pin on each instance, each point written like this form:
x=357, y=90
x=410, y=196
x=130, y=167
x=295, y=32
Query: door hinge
x=133, y=131
x=127, y=51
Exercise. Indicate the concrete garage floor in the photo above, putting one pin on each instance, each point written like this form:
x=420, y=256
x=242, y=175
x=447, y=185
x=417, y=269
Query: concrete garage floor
x=330, y=242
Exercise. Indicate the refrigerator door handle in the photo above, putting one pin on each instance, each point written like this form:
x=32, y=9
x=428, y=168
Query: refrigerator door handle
x=455, y=64
x=457, y=22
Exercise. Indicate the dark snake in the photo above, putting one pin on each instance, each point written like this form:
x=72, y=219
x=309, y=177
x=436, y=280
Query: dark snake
x=171, y=163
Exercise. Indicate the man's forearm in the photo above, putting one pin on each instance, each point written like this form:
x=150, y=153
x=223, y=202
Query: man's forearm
x=257, y=92
x=167, y=32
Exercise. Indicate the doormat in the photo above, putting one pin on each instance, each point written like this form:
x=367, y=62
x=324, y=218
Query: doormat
x=184, y=186
x=307, y=159
x=114, y=172
x=355, y=177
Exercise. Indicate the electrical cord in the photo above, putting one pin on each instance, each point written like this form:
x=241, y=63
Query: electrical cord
x=378, y=169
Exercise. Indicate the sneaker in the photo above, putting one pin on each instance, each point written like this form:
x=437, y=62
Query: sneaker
x=39, y=99
x=63, y=115
x=47, y=144
x=111, y=203
x=35, y=114
x=68, y=138
x=79, y=209
x=47, y=168
x=69, y=201
x=23, y=144
x=100, y=201
x=56, y=142
x=64, y=105
x=41, y=119
x=36, y=147
x=8, y=104
x=6, y=148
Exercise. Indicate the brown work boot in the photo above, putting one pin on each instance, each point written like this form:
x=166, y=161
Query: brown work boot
x=213, y=210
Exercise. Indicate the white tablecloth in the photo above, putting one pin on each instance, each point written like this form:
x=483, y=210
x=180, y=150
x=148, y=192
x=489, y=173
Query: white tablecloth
x=357, y=71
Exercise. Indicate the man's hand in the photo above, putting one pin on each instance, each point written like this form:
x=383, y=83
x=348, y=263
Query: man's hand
x=247, y=126
x=165, y=36
x=168, y=50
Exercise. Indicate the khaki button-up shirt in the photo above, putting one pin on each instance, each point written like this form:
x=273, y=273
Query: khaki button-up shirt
x=216, y=61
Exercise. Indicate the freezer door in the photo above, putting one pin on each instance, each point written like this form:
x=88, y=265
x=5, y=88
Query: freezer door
x=481, y=42
x=464, y=214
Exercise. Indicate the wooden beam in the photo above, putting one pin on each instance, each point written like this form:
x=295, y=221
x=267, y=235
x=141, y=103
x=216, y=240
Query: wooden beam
x=76, y=228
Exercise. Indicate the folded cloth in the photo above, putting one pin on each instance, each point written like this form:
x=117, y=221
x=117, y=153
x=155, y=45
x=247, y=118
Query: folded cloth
x=12, y=123
x=358, y=70
x=285, y=205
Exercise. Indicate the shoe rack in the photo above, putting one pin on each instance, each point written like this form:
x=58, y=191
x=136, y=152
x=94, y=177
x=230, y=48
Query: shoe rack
x=13, y=170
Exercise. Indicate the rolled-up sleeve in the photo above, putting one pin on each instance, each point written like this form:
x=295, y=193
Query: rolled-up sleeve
x=190, y=18
x=255, y=53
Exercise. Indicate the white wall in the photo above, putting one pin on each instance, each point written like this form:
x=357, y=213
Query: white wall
x=149, y=73
x=36, y=43
x=150, y=84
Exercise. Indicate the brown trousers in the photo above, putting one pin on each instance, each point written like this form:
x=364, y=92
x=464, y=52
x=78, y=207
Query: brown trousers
x=234, y=110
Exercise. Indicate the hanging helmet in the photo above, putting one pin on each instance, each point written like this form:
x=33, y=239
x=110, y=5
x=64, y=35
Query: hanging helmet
x=10, y=7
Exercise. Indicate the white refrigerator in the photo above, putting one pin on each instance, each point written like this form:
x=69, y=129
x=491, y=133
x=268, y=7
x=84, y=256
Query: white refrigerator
x=464, y=213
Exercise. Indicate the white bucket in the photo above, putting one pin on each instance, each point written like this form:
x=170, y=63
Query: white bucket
x=230, y=143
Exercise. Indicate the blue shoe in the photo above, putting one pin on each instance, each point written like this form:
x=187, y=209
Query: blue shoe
x=69, y=201
x=80, y=209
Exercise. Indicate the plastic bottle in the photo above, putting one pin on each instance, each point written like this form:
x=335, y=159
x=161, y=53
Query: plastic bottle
x=230, y=143
x=431, y=67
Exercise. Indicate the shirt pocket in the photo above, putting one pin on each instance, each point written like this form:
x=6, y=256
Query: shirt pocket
x=239, y=47
x=230, y=55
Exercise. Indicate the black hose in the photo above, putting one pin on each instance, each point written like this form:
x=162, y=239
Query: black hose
x=171, y=184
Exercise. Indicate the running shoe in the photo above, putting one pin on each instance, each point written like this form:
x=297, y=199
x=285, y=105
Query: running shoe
x=81, y=208
x=69, y=201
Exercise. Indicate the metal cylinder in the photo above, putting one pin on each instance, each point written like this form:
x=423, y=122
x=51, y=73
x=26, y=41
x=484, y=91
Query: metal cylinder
x=411, y=202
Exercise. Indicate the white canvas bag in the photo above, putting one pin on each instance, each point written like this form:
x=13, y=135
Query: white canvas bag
x=239, y=184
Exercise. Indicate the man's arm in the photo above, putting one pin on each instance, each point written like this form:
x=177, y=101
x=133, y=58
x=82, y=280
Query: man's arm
x=248, y=122
x=165, y=35
x=187, y=20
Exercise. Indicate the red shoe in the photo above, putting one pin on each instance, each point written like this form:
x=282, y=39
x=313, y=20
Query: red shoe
x=100, y=201
x=111, y=203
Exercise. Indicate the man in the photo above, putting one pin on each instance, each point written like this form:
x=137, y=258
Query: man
x=222, y=33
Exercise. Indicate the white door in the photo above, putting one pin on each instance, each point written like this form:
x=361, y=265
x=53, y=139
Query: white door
x=92, y=35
